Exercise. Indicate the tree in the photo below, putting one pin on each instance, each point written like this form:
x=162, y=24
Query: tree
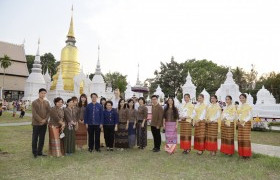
x=251, y=78
x=117, y=80
x=169, y=78
x=205, y=74
x=49, y=61
x=271, y=82
x=5, y=62
x=239, y=77
x=30, y=60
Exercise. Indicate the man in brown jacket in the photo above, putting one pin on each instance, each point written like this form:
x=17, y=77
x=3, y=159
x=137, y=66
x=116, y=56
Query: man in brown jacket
x=156, y=123
x=40, y=116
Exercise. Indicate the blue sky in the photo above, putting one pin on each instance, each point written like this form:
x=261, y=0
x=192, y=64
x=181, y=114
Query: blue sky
x=231, y=33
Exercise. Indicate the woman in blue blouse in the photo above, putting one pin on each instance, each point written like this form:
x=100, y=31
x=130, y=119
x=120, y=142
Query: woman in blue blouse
x=110, y=124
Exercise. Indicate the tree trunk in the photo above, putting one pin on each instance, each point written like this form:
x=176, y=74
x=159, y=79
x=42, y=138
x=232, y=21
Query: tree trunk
x=3, y=83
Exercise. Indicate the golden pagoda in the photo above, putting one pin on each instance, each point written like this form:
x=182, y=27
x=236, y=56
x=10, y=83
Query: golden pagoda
x=68, y=62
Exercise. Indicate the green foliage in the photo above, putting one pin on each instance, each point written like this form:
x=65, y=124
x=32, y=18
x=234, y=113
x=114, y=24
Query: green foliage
x=172, y=75
x=271, y=82
x=207, y=74
x=30, y=60
x=5, y=62
x=273, y=124
x=48, y=61
x=117, y=80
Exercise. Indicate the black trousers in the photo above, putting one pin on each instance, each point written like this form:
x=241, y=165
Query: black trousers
x=157, y=137
x=39, y=132
x=93, y=137
x=109, y=135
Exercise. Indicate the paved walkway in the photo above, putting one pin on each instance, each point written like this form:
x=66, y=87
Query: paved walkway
x=15, y=124
x=257, y=148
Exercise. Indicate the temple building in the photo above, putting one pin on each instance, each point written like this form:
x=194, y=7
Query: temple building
x=16, y=74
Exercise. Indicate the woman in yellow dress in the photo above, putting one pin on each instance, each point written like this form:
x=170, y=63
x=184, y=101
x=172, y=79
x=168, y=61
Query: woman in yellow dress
x=227, y=127
x=186, y=126
x=199, y=123
x=245, y=116
x=213, y=114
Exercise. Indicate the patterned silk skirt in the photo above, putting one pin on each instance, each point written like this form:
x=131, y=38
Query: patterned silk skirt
x=69, y=140
x=185, y=135
x=199, y=136
x=244, y=140
x=211, y=143
x=171, y=137
x=55, y=143
x=141, y=134
x=121, y=136
x=81, y=135
x=131, y=135
x=227, y=138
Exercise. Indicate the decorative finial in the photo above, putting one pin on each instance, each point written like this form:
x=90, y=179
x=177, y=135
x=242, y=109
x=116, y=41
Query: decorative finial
x=37, y=54
x=98, y=69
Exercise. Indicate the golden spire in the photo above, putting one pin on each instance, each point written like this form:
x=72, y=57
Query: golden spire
x=71, y=28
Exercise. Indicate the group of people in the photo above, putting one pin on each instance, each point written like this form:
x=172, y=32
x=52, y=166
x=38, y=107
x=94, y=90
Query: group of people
x=123, y=125
x=72, y=126
x=205, y=121
x=15, y=105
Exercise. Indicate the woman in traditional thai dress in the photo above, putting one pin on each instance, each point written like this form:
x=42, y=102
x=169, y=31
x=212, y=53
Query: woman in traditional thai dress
x=170, y=124
x=199, y=122
x=227, y=127
x=142, y=116
x=81, y=133
x=244, y=113
x=69, y=131
x=56, y=126
x=213, y=114
x=186, y=124
x=102, y=138
x=131, y=123
x=121, y=136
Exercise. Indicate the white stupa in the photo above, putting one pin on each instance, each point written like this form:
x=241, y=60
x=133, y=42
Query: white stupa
x=159, y=93
x=250, y=99
x=189, y=88
x=80, y=79
x=228, y=88
x=128, y=93
x=98, y=84
x=59, y=90
x=206, y=96
x=48, y=80
x=35, y=80
x=265, y=97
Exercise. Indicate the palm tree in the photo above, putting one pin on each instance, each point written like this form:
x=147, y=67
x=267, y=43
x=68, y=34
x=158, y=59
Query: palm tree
x=5, y=62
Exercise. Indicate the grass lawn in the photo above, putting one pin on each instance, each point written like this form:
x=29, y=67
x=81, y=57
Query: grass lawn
x=18, y=163
x=269, y=138
x=7, y=118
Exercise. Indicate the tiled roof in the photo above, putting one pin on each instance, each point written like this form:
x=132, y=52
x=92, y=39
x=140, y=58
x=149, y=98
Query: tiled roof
x=16, y=53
